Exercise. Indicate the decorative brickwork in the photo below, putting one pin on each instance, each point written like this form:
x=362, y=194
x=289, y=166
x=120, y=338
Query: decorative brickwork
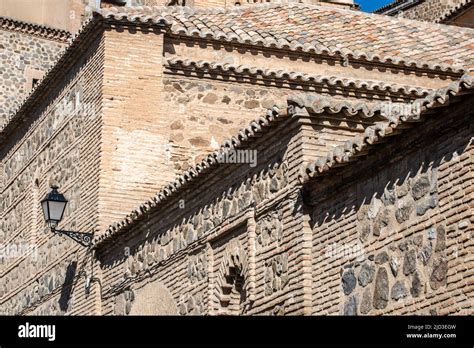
x=345, y=185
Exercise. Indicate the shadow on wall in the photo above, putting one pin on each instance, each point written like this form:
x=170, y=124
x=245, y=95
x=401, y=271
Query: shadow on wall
x=66, y=288
x=389, y=239
x=146, y=249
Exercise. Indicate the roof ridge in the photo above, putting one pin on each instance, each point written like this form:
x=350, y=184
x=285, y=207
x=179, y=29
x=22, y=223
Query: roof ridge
x=392, y=4
x=30, y=28
x=451, y=10
x=187, y=10
x=176, y=27
x=292, y=75
x=343, y=154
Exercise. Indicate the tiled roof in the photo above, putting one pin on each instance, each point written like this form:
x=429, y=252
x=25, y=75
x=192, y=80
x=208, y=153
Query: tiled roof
x=307, y=28
x=42, y=31
x=345, y=154
x=315, y=104
x=318, y=29
x=332, y=81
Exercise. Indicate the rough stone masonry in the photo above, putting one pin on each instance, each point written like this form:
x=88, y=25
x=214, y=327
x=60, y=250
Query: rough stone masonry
x=346, y=210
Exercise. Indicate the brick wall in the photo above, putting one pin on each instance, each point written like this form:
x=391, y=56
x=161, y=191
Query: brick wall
x=119, y=126
x=390, y=235
x=394, y=235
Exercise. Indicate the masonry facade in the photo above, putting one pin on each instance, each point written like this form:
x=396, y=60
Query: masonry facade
x=452, y=12
x=277, y=241
x=140, y=97
x=25, y=59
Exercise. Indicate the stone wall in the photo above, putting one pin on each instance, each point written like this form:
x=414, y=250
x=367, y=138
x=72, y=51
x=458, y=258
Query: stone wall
x=397, y=239
x=248, y=241
x=100, y=116
x=57, y=147
x=430, y=10
x=229, y=244
x=23, y=60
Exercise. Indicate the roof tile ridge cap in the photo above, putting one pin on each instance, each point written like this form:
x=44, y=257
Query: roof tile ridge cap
x=324, y=163
x=169, y=189
x=464, y=82
x=428, y=25
x=319, y=104
x=143, y=11
x=332, y=80
x=363, y=56
x=467, y=79
x=251, y=7
x=61, y=56
x=387, y=6
x=398, y=60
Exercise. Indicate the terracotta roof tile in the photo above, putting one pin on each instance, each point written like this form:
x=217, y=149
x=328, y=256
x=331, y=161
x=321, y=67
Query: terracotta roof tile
x=333, y=81
x=318, y=29
x=345, y=154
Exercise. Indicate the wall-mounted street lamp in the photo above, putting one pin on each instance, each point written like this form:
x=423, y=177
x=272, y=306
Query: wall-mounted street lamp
x=53, y=206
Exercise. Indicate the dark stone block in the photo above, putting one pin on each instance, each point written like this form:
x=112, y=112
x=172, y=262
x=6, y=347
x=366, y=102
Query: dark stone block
x=226, y=208
x=399, y=291
x=364, y=230
x=403, y=213
x=348, y=282
x=350, y=307
x=366, y=274
x=388, y=197
x=422, y=206
x=438, y=276
x=420, y=187
x=425, y=254
x=416, y=285
x=381, y=289
x=409, y=264
x=394, y=263
x=274, y=185
x=440, y=238
x=366, y=303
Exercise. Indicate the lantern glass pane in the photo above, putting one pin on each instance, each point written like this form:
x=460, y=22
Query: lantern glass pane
x=56, y=210
x=45, y=207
